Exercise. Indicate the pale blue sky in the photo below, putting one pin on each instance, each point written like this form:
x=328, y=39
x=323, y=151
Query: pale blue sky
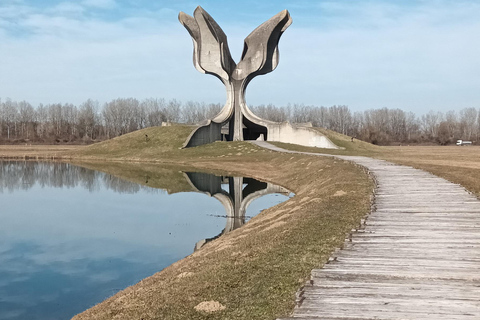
x=414, y=55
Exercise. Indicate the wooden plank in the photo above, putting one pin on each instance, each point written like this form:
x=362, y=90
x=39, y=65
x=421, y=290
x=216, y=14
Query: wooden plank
x=417, y=256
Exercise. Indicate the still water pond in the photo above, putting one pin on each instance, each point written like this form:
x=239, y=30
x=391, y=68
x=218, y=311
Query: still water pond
x=71, y=237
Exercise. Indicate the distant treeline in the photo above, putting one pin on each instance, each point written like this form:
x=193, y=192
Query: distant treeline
x=63, y=123
x=21, y=122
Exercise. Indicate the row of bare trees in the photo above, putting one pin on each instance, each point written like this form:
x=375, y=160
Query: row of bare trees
x=383, y=126
x=21, y=122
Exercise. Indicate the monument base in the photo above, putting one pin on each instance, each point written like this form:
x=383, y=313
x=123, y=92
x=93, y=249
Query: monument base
x=280, y=132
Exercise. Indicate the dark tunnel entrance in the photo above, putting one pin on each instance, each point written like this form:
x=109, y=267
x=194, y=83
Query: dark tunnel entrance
x=251, y=130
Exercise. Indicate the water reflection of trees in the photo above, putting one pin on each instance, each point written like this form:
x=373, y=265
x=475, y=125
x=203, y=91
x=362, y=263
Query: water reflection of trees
x=15, y=175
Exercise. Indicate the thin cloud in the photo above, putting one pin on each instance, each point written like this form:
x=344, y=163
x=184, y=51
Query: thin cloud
x=67, y=8
x=102, y=4
x=367, y=56
x=417, y=56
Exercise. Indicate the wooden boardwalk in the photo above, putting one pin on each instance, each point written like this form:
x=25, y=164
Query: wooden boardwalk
x=417, y=256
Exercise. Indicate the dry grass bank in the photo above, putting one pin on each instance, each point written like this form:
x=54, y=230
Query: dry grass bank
x=460, y=165
x=253, y=271
x=33, y=152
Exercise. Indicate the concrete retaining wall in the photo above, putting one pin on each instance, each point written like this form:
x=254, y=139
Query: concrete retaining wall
x=287, y=133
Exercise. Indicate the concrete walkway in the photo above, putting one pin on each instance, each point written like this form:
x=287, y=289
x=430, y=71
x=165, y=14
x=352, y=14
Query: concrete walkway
x=416, y=257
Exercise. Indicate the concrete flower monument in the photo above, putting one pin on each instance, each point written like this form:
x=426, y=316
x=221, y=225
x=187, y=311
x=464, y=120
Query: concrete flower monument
x=211, y=55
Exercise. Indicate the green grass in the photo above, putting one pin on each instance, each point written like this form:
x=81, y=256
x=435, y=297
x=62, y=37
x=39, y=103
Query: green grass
x=164, y=145
x=160, y=140
x=356, y=147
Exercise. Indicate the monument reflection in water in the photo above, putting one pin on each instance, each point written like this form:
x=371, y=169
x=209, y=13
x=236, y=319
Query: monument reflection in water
x=241, y=192
x=71, y=237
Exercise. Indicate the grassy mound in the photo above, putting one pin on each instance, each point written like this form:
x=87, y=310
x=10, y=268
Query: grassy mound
x=163, y=144
x=344, y=141
x=142, y=143
x=160, y=143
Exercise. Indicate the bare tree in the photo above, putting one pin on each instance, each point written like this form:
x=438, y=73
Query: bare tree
x=41, y=117
x=397, y=125
x=9, y=112
x=468, y=121
x=155, y=110
x=444, y=134
x=87, y=119
x=430, y=123
x=412, y=127
x=173, y=111
x=26, y=120
x=212, y=110
x=192, y=112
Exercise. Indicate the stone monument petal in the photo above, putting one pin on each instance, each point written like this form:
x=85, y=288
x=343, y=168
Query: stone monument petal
x=213, y=52
x=192, y=27
x=260, y=53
